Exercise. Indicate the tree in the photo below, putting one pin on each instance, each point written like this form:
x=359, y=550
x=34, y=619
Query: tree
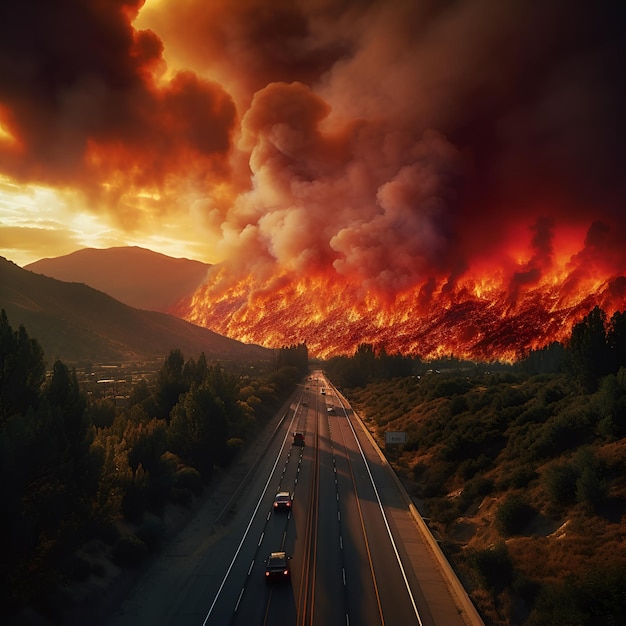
x=63, y=394
x=365, y=363
x=195, y=371
x=616, y=339
x=548, y=359
x=588, y=354
x=199, y=429
x=293, y=356
x=147, y=445
x=45, y=438
x=22, y=369
x=170, y=383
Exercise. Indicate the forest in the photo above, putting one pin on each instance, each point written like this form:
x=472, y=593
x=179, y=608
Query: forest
x=520, y=469
x=74, y=465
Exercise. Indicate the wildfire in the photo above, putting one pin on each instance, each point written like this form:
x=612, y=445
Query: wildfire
x=479, y=317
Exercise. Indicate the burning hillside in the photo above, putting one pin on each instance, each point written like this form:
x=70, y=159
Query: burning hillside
x=495, y=317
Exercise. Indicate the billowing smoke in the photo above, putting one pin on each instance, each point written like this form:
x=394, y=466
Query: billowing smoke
x=81, y=100
x=395, y=144
x=396, y=141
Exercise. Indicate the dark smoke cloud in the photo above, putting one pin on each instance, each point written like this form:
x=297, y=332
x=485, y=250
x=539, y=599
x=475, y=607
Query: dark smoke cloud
x=79, y=94
x=394, y=142
x=525, y=97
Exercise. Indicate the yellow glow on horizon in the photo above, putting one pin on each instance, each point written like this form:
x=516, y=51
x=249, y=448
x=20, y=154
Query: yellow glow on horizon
x=41, y=222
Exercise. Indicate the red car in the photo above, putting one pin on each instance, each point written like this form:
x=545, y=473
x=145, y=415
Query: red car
x=298, y=439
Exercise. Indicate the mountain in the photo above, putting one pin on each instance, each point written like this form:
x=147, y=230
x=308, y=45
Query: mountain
x=135, y=276
x=76, y=324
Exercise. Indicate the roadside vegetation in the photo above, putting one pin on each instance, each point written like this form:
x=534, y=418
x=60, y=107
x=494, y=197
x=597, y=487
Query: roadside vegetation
x=520, y=470
x=81, y=474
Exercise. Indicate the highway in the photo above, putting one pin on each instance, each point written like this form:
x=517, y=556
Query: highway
x=358, y=557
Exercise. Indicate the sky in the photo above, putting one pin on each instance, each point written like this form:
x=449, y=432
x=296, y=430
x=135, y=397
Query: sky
x=394, y=144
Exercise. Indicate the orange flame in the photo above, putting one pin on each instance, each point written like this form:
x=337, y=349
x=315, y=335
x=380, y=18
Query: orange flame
x=483, y=315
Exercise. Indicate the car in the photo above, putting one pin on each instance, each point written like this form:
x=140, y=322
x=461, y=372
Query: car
x=298, y=439
x=330, y=409
x=277, y=567
x=283, y=501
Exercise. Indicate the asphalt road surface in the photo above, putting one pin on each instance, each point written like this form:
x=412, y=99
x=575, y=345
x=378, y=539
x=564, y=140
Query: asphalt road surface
x=360, y=555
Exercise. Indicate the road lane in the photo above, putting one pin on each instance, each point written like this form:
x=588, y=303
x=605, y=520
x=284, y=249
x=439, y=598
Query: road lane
x=329, y=601
x=362, y=562
x=437, y=593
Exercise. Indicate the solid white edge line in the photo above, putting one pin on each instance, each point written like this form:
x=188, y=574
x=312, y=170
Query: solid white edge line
x=382, y=511
x=245, y=534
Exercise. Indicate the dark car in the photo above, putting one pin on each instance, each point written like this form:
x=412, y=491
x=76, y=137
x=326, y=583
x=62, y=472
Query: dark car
x=283, y=501
x=277, y=567
x=298, y=439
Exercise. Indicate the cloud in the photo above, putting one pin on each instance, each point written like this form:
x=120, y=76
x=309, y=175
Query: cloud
x=412, y=234
x=395, y=142
x=82, y=100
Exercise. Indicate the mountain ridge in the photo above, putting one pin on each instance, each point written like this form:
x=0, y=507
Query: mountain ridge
x=135, y=276
x=76, y=323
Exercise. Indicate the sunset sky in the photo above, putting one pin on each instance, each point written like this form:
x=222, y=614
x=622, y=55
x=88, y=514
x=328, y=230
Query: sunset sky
x=389, y=142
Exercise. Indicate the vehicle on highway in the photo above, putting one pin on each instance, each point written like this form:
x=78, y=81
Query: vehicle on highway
x=330, y=409
x=283, y=501
x=323, y=391
x=277, y=567
x=298, y=439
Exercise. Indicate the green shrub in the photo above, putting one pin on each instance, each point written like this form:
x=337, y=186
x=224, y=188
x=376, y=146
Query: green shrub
x=557, y=605
x=533, y=414
x=599, y=598
x=449, y=387
x=434, y=478
x=591, y=489
x=189, y=478
x=559, y=483
x=458, y=405
x=418, y=469
x=474, y=490
x=551, y=392
x=513, y=515
x=493, y=567
x=470, y=467
x=519, y=478
x=233, y=446
x=563, y=432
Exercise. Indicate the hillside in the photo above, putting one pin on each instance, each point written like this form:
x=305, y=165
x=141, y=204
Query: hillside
x=76, y=323
x=135, y=276
x=522, y=479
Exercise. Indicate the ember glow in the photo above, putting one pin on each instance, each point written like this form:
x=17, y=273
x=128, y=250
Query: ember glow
x=432, y=177
x=476, y=318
